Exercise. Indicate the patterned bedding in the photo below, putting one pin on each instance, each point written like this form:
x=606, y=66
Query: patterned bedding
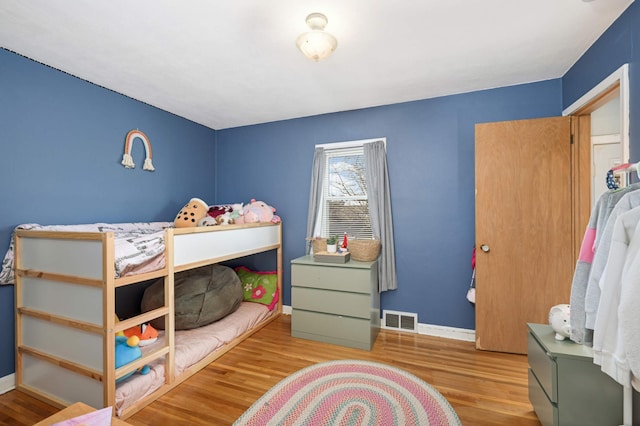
x=139, y=246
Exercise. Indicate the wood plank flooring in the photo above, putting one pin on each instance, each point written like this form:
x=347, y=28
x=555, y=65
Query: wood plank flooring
x=485, y=388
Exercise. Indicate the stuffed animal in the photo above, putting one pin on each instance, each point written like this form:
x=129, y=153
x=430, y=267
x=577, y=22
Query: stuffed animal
x=237, y=210
x=225, y=214
x=207, y=221
x=191, y=213
x=258, y=211
x=128, y=350
x=559, y=321
x=145, y=332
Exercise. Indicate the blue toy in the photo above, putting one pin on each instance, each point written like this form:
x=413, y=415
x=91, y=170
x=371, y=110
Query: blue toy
x=128, y=350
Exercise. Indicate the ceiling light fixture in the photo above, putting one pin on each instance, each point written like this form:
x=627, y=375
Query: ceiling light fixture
x=316, y=44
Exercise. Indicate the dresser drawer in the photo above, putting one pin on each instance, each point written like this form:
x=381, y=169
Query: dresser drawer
x=355, y=280
x=565, y=387
x=340, y=330
x=543, y=366
x=340, y=303
x=546, y=411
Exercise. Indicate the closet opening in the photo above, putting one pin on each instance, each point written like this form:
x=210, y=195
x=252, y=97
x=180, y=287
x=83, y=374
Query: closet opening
x=600, y=142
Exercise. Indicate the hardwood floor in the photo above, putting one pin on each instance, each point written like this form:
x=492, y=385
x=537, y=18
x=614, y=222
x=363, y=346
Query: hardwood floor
x=485, y=388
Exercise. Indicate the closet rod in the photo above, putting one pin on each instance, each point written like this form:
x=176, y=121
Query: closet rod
x=626, y=167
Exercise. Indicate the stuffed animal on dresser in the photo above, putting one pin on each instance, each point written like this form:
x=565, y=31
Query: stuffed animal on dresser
x=559, y=321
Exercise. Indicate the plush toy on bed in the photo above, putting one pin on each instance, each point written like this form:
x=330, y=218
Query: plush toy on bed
x=191, y=214
x=145, y=332
x=258, y=211
x=128, y=350
x=225, y=214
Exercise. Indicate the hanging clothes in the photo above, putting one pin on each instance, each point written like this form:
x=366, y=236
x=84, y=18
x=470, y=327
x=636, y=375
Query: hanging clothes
x=628, y=202
x=608, y=346
x=611, y=180
x=590, y=246
x=629, y=316
x=612, y=293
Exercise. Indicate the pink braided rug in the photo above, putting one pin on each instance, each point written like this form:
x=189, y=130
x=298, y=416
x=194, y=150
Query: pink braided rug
x=351, y=392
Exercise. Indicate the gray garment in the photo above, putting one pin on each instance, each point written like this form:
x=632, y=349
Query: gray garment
x=598, y=221
x=379, y=194
x=315, y=194
x=592, y=297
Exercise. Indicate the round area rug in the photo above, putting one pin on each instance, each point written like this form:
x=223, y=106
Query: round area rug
x=351, y=392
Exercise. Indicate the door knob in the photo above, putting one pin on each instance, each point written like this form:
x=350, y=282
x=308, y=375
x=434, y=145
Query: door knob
x=485, y=248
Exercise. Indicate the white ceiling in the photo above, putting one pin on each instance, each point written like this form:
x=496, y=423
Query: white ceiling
x=232, y=63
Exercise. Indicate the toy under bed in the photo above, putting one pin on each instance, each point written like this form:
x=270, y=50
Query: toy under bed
x=65, y=313
x=191, y=347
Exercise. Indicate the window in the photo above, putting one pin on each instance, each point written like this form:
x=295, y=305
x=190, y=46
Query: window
x=349, y=180
x=344, y=206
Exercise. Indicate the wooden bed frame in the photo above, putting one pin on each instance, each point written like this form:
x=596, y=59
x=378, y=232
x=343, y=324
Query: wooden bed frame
x=65, y=307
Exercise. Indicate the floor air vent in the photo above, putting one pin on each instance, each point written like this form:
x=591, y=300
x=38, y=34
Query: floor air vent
x=403, y=321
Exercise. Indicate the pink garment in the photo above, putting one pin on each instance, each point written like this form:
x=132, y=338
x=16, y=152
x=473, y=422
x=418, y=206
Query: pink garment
x=588, y=248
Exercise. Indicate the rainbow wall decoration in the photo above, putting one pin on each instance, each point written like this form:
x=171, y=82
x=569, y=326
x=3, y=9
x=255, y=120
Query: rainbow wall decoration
x=127, y=160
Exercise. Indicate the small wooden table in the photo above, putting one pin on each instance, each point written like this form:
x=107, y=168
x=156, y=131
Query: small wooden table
x=75, y=410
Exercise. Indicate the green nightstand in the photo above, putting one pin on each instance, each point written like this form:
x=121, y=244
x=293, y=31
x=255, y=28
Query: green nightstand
x=565, y=386
x=335, y=303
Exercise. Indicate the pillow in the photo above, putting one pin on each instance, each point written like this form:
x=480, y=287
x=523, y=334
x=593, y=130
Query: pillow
x=259, y=287
x=201, y=296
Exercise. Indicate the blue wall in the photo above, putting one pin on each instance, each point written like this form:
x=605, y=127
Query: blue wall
x=430, y=147
x=620, y=44
x=61, y=143
x=430, y=151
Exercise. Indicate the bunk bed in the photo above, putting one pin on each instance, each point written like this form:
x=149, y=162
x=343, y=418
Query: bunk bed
x=65, y=294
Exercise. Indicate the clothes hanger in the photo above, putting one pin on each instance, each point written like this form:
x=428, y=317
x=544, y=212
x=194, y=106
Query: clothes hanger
x=624, y=168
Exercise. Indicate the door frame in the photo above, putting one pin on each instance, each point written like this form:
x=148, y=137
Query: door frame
x=617, y=83
x=597, y=97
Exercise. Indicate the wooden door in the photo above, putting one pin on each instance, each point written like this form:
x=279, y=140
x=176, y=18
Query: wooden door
x=524, y=223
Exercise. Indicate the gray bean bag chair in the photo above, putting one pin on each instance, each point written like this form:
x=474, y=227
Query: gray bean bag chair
x=202, y=296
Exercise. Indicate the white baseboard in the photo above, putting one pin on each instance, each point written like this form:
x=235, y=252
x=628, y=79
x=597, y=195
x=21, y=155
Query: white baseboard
x=447, y=332
x=430, y=330
x=7, y=383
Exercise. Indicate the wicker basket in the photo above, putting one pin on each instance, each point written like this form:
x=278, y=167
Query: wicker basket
x=364, y=250
x=319, y=244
